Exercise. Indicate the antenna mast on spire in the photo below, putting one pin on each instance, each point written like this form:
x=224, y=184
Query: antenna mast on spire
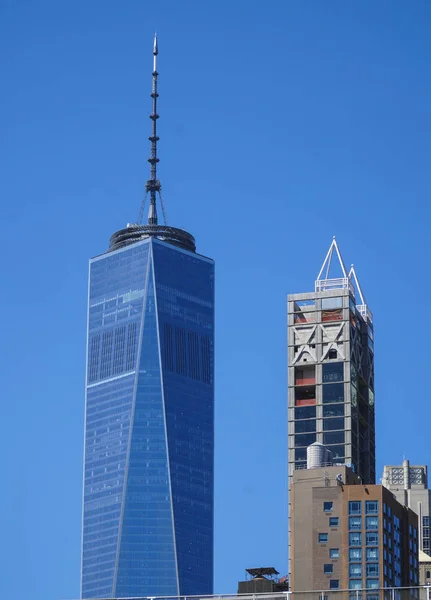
x=136, y=232
x=153, y=186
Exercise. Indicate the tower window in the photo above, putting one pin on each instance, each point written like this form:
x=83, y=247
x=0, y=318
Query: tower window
x=333, y=437
x=305, y=375
x=306, y=412
x=332, y=302
x=331, y=424
x=305, y=439
x=332, y=392
x=332, y=315
x=306, y=426
x=332, y=371
x=305, y=395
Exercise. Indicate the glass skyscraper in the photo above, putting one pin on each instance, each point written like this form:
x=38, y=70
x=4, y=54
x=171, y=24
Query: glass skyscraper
x=149, y=417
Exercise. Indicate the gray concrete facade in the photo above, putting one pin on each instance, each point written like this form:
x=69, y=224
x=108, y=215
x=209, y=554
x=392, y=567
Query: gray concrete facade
x=330, y=380
x=409, y=485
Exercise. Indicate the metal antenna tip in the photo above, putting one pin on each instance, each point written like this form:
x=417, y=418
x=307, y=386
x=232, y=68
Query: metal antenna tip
x=155, y=45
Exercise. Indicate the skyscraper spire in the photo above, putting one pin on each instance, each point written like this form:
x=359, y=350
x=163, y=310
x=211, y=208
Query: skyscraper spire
x=135, y=232
x=153, y=184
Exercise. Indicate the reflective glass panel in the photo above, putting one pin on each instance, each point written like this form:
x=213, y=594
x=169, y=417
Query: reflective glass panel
x=332, y=392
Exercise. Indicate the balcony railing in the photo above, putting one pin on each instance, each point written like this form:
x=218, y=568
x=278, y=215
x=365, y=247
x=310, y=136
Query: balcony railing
x=343, y=283
x=365, y=312
x=410, y=593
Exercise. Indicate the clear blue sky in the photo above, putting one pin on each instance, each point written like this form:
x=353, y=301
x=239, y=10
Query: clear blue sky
x=282, y=124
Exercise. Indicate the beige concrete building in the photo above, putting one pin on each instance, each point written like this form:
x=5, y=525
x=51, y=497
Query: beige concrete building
x=346, y=535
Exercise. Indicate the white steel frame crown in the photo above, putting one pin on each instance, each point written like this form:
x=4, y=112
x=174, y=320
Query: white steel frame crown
x=349, y=280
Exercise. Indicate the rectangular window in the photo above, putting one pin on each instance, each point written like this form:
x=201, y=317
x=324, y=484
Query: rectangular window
x=328, y=569
x=323, y=538
x=332, y=315
x=372, y=569
x=305, y=439
x=372, y=522
x=328, y=506
x=332, y=372
x=355, y=584
x=337, y=452
x=333, y=410
x=355, y=508
x=355, y=523
x=305, y=375
x=304, y=317
x=333, y=437
x=301, y=305
x=331, y=424
x=372, y=539
x=372, y=507
x=332, y=302
x=300, y=453
x=305, y=412
x=305, y=426
x=332, y=392
x=373, y=554
x=355, y=570
x=305, y=395
x=334, y=584
x=355, y=539
x=372, y=583
x=334, y=553
x=355, y=554
x=333, y=521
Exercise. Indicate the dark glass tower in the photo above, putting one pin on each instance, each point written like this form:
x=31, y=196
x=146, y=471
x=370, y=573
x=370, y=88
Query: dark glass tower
x=149, y=417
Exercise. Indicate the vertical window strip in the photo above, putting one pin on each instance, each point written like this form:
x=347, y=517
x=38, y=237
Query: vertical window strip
x=131, y=346
x=119, y=345
x=93, y=369
x=181, y=351
x=168, y=347
x=193, y=355
x=105, y=364
x=206, y=358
